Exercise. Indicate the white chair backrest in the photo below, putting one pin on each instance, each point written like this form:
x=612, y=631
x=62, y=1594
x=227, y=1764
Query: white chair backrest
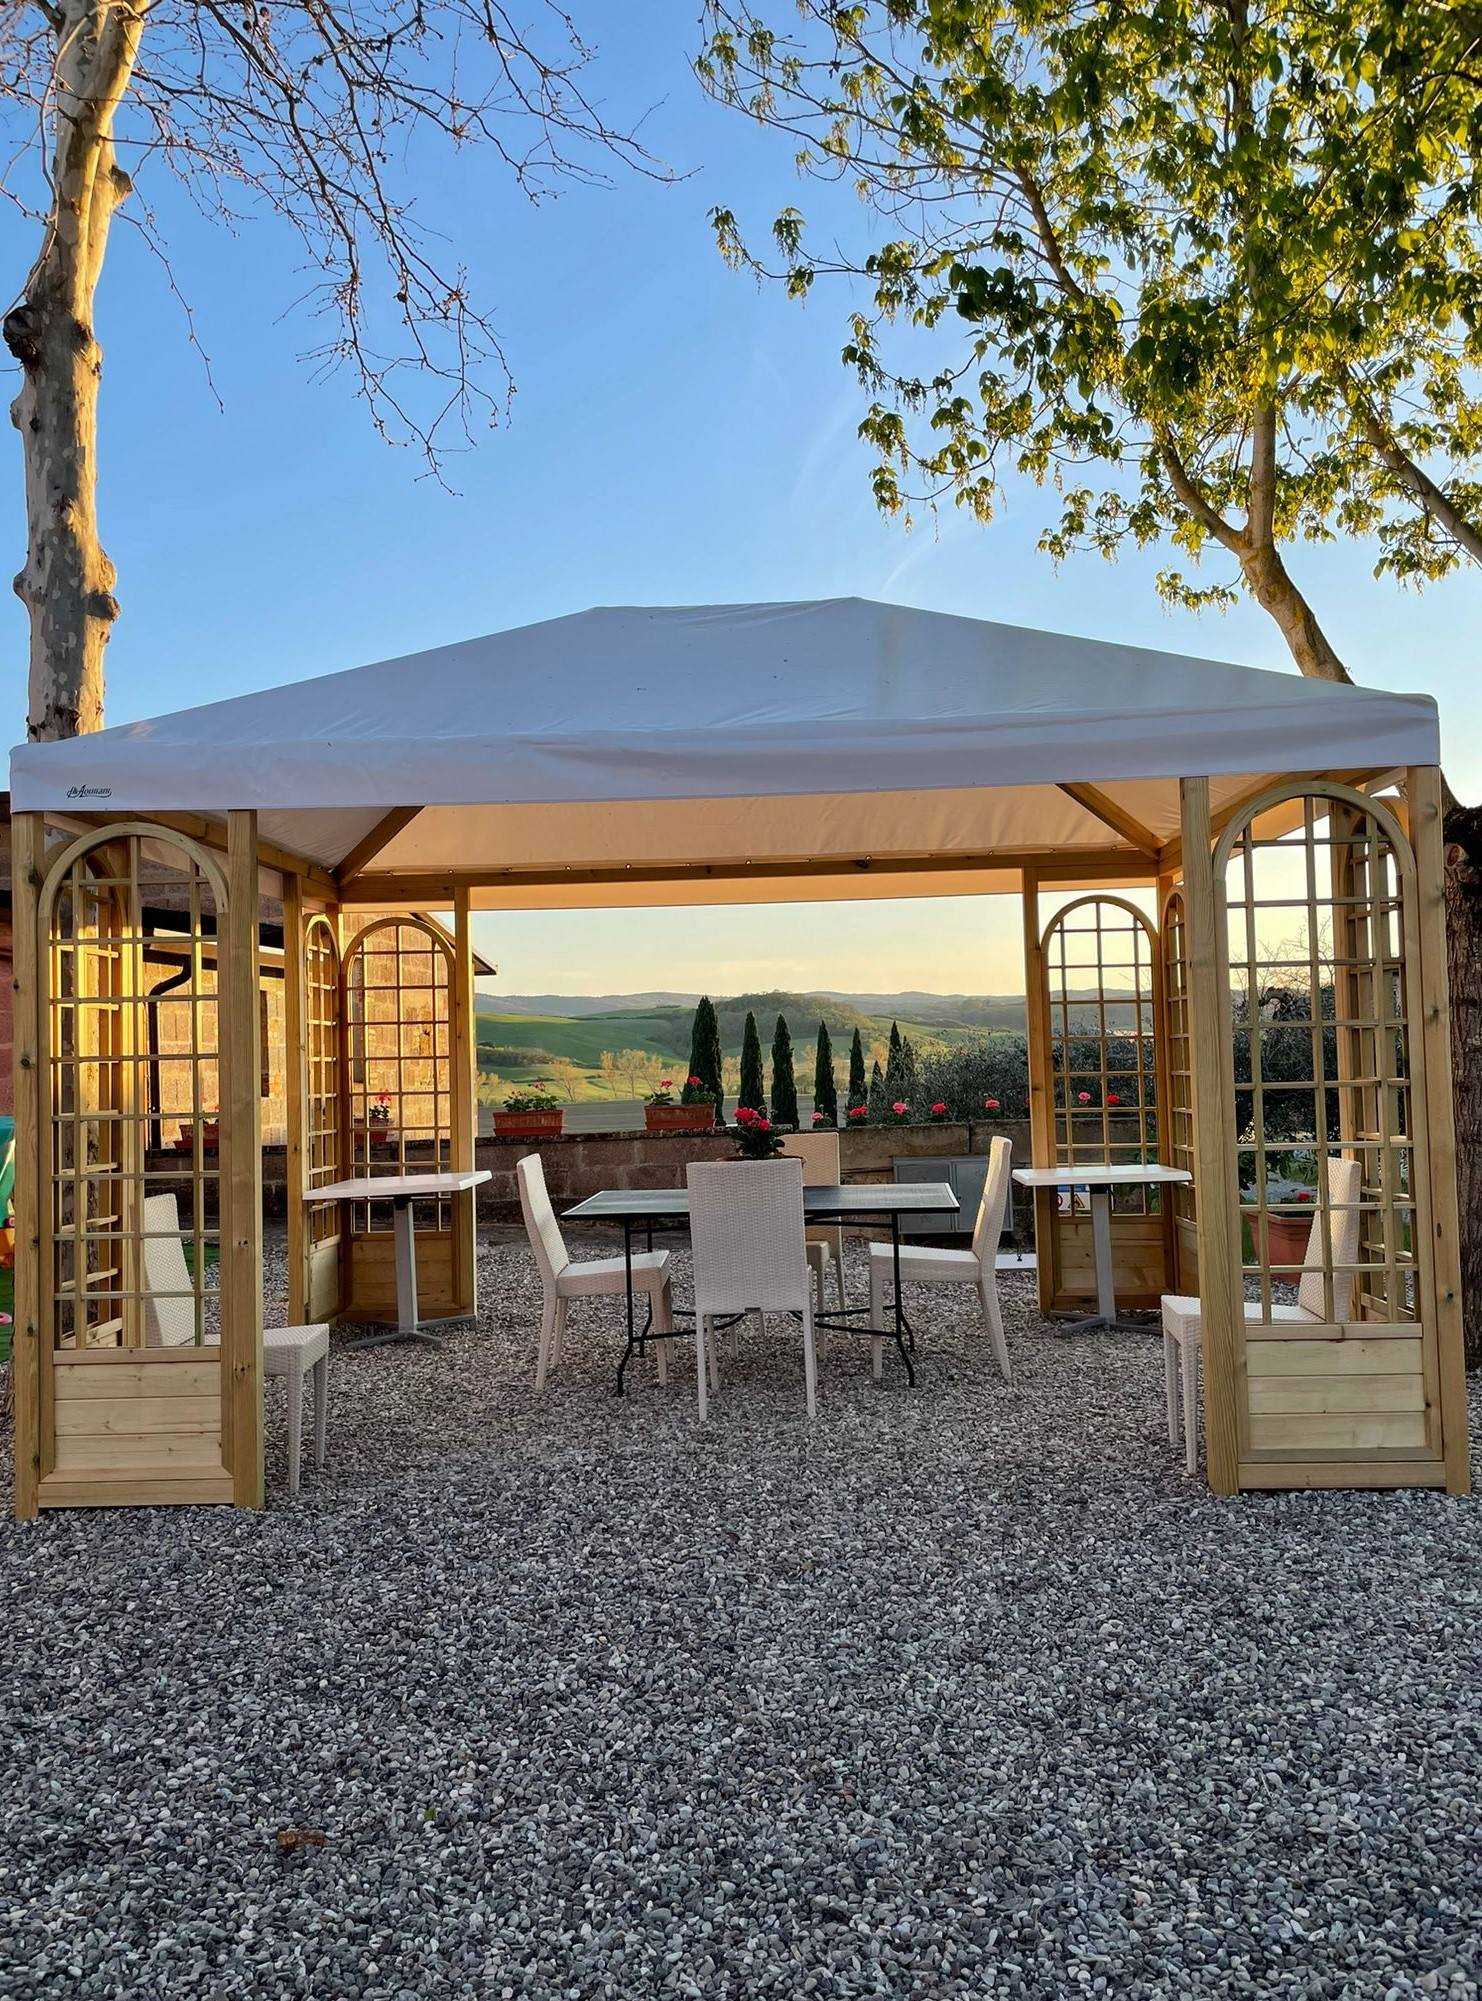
x=746, y=1231
x=169, y=1291
x=988, y=1227
x=1344, y=1184
x=819, y=1153
x=541, y=1226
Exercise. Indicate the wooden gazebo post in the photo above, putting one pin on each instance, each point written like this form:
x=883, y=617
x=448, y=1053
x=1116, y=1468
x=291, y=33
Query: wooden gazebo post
x=1215, y=1168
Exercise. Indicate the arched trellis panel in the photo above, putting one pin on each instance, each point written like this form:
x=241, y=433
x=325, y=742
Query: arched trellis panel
x=404, y=1111
x=317, y=1108
x=1331, y=1343
x=1099, y=991
x=1176, y=1124
x=138, y=1350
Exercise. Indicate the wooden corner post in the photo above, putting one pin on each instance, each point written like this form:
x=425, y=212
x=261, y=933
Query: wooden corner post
x=1041, y=1112
x=1212, y=1090
x=1437, y=1133
x=463, y=1082
x=241, y=1168
x=28, y=838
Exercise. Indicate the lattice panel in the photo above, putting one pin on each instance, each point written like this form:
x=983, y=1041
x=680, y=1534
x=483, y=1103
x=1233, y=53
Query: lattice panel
x=398, y=994
x=323, y=1103
x=1316, y=931
x=1178, y=1111
x=1100, y=958
x=130, y=1105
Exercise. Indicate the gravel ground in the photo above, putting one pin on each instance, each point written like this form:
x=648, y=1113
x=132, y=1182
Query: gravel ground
x=961, y=1692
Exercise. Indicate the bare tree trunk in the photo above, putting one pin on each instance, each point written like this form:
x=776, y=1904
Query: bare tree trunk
x=67, y=582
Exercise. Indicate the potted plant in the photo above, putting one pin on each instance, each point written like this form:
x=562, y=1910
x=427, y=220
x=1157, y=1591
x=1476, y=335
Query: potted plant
x=379, y=1121
x=532, y=1114
x=210, y=1134
x=694, y=1114
x=1286, y=1236
x=756, y=1137
x=900, y=1113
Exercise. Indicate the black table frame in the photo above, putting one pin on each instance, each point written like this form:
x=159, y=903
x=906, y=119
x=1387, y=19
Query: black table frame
x=841, y=1322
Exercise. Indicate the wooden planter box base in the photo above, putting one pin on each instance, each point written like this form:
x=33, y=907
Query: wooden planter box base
x=528, y=1125
x=678, y=1118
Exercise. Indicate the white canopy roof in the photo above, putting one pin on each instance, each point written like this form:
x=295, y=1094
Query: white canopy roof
x=834, y=733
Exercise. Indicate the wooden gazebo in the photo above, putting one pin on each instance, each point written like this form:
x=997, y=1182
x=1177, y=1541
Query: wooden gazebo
x=1285, y=956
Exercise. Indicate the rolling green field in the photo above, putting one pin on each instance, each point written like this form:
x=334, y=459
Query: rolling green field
x=516, y=1048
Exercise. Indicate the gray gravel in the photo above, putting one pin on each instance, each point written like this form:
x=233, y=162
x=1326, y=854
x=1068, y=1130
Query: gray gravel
x=963, y=1692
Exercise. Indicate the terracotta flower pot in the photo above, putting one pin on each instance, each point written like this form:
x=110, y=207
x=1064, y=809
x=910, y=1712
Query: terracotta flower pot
x=678, y=1118
x=1286, y=1238
x=529, y=1125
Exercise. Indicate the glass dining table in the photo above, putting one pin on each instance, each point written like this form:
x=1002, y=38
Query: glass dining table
x=878, y=1205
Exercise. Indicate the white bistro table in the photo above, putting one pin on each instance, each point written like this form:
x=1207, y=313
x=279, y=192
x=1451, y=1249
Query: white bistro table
x=1098, y=1182
x=401, y=1191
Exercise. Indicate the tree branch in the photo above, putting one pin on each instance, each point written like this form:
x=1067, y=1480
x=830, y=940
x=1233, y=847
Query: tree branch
x=1431, y=497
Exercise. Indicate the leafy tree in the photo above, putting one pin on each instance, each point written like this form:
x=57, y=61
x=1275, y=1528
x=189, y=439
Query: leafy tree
x=825, y=1088
x=305, y=112
x=705, y=1054
x=965, y=1076
x=752, y=1096
x=859, y=1093
x=1210, y=273
x=784, y=1083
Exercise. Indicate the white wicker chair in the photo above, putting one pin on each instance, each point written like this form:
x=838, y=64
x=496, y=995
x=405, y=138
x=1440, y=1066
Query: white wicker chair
x=170, y=1322
x=1182, y=1325
x=921, y=1264
x=819, y=1153
x=746, y=1230
x=563, y=1279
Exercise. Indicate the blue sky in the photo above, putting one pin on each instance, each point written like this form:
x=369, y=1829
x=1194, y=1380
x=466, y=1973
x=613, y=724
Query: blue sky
x=678, y=436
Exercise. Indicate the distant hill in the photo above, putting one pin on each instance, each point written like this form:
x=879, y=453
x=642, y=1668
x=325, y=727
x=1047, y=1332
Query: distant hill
x=951, y=1010
x=577, y=1007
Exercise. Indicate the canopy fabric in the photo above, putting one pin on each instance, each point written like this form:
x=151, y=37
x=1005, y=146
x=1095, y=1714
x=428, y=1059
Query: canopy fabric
x=731, y=734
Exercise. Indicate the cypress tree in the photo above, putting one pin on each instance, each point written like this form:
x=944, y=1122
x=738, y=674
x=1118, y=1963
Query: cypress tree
x=784, y=1084
x=878, y=1093
x=895, y=1081
x=825, y=1090
x=859, y=1090
x=705, y=1054
x=753, y=1091
x=908, y=1069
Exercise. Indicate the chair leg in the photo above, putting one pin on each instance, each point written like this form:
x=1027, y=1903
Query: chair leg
x=712, y=1357
x=321, y=1410
x=1170, y=1387
x=663, y=1303
x=836, y=1249
x=993, y=1315
x=877, y=1317
x=810, y=1362
x=702, y=1341
x=1191, y=1406
x=295, y=1427
x=545, y=1342
x=558, y=1339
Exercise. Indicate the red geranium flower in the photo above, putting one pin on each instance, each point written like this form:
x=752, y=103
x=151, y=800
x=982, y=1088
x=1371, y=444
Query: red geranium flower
x=818, y=1118
x=666, y=1083
x=693, y=1081
x=764, y=1125
x=858, y=1111
x=1084, y=1096
x=1113, y=1098
x=900, y=1108
x=939, y=1108
x=744, y=1115
x=990, y=1104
